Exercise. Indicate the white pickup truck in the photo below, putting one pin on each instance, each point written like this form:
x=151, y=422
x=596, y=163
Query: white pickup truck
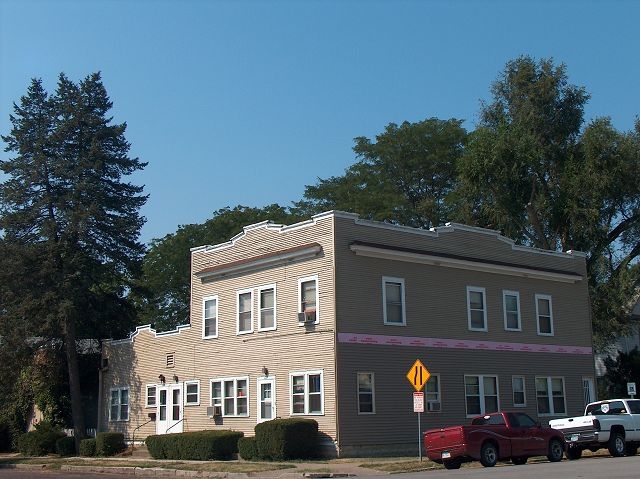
x=613, y=424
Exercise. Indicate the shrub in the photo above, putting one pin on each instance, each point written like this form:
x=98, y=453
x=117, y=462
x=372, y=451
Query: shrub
x=41, y=441
x=109, y=443
x=247, y=448
x=5, y=436
x=66, y=446
x=194, y=446
x=284, y=439
x=88, y=447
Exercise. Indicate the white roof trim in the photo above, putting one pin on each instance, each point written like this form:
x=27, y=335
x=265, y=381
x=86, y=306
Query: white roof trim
x=459, y=263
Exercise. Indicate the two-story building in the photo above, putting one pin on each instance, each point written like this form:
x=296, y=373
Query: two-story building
x=324, y=319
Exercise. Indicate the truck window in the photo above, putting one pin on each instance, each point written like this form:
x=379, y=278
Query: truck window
x=634, y=406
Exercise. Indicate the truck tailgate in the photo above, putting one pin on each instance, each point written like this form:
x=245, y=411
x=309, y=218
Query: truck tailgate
x=444, y=443
x=571, y=424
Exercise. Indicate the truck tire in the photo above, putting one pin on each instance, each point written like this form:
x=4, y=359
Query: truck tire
x=452, y=464
x=556, y=450
x=616, y=444
x=574, y=453
x=488, y=454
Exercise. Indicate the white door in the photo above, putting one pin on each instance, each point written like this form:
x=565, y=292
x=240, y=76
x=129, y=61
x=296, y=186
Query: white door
x=169, y=414
x=266, y=399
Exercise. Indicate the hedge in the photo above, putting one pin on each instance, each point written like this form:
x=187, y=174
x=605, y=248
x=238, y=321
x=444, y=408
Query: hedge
x=284, y=439
x=194, y=446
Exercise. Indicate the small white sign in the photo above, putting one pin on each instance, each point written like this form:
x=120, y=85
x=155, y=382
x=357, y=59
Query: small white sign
x=418, y=401
x=631, y=389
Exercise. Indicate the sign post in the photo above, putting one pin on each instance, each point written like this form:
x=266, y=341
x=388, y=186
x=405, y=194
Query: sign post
x=418, y=375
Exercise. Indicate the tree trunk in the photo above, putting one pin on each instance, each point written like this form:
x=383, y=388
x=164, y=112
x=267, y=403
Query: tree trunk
x=74, y=381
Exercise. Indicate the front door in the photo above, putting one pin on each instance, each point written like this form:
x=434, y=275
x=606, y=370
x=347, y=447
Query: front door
x=169, y=414
x=266, y=399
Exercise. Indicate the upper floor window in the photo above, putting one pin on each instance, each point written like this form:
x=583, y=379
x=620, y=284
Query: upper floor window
x=267, y=299
x=151, y=396
x=519, y=396
x=393, y=301
x=550, y=396
x=245, y=311
x=544, y=315
x=119, y=404
x=511, y=307
x=192, y=393
x=476, y=308
x=210, y=317
x=366, y=398
x=308, y=300
x=232, y=395
x=481, y=394
x=307, y=392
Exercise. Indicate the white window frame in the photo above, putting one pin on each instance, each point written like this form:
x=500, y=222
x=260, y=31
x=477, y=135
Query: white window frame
x=147, y=403
x=187, y=402
x=306, y=393
x=220, y=400
x=238, y=312
x=120, y=404
x=588, y=390
x=523, y=391
x=316, y=310
x=204, y=316
x=481, y=393
x=483, y=291
x=362, y=393
x=506, y=312
x=261, y=308
x=549, y=396
x=403, y=303
x=546, y=297
x=433, y=396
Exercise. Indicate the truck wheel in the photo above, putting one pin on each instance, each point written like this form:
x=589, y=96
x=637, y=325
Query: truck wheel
x=631, y=449
x=452, y=464
x=556, y=450
x=519, y=461
x=488, y=454
x=616, y=444
x=574, y=453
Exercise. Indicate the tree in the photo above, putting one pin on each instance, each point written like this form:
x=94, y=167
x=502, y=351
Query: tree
x=165, y=286
x=71, y=222
x=621, y=369
x=404, y=177
x=532, y=172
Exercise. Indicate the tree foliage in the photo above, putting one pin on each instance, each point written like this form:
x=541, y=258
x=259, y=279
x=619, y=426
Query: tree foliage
x=165, y=285
x=69, y=221
x=622, y=369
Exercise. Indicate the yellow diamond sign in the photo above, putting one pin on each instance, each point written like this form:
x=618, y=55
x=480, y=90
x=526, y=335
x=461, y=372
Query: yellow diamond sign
x=418, y=375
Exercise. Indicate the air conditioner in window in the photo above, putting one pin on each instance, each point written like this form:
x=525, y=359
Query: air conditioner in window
x=214, y=411
x=433, y=406
x=307, y=317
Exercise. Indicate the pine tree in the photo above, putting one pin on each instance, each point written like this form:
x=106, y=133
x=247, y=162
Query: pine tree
x=72, y=222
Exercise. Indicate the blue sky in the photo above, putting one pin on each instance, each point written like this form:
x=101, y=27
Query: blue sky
x=247, y=102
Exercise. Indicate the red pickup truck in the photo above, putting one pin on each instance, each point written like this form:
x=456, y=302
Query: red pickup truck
x=494, y=437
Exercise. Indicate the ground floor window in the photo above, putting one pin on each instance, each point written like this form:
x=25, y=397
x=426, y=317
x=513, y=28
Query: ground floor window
x=550, y=396
x=481, y=394
x=232, y=395
x=119, y=404
x=306, y=392
x=366, y=403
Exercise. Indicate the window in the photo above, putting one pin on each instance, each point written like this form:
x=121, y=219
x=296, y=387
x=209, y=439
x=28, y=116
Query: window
x=306, y=392
x=366, y=402
x=550, y=396
x=588, y=389
x=210, y=317
x=432, y=393
x=393, y=301
x=232, y=395
x=519, y=397
x=192, y=393
x=476, y=309
x=544, y=313
x=151, y=396
x=245, y=312
x=511, y=307
x=267, y=306
x=119, y=404
x=481, y=394
x=308, y=294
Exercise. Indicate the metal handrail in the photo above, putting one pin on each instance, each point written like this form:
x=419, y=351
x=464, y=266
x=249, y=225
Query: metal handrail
x=174, y=424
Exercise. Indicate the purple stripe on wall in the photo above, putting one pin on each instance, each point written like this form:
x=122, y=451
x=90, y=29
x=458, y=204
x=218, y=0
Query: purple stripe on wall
x=375, y=339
